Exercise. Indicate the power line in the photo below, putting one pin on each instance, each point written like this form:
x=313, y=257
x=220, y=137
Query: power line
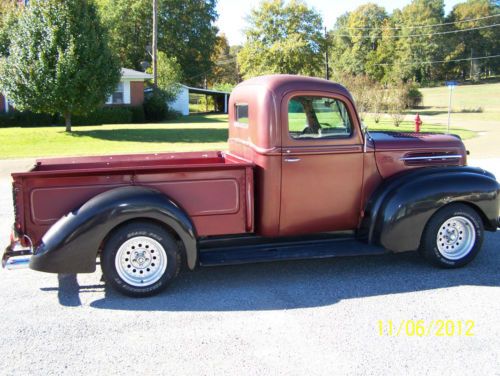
x=223, y=62
x=424, y=34
x=444, y=61
x=422, y=26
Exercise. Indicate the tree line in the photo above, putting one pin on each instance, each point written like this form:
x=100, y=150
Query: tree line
x=78, y=46
x=416, y=43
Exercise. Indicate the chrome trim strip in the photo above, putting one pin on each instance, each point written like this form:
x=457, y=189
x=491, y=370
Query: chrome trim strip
x=431, y=157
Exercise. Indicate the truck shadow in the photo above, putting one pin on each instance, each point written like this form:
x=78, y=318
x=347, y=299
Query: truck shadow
x=301, y=284
x=174, y=135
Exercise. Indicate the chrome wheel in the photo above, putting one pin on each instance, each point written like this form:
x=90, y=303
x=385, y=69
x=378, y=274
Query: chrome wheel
x=456, y=238
x=141, y=261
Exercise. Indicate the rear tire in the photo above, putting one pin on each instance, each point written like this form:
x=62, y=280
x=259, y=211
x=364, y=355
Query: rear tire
x=140, y=259
x=453, y=236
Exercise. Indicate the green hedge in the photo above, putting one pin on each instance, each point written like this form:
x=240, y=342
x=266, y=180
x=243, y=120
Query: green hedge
x=104, y=115
x=138, y=114
x=26, y=119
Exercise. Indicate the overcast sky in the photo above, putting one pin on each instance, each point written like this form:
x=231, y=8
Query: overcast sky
x=232, y=13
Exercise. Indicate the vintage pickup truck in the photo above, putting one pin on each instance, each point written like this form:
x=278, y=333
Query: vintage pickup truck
x=300, y=179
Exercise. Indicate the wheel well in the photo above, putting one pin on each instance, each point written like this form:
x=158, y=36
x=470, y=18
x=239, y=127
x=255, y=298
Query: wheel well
x=486, y=222
x=150, y=220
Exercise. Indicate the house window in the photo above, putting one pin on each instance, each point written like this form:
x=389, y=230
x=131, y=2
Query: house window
x=117, y=96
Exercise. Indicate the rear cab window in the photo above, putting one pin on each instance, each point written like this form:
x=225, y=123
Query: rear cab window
x=241, y=119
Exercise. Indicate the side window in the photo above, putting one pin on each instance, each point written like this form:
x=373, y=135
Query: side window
x=318, y=117
x=242, y=115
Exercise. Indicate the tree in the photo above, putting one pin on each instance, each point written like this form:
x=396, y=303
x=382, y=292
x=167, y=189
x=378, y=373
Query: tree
x=417, y=46
x=406, y=45
x=480, y=42
x=130, y=29
x=185, y=31
x=169, y=76
x=225, y=69
x=282, y=38
x=59, y=60
x=356, y=37
x=8, y=20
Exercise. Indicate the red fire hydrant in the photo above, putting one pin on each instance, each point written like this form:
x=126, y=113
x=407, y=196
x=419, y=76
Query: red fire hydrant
x=418, y=123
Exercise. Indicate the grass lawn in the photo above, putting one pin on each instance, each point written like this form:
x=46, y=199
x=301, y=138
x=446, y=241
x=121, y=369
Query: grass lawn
x=209, y=132
x=464, y=97
x=187, y=134
x=386, y=124
x=203, y=132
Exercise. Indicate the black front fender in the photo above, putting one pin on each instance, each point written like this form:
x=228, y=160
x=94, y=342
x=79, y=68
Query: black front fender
x=399, y=209
x=72, y=243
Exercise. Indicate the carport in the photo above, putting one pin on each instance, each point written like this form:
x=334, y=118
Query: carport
x=181, y=103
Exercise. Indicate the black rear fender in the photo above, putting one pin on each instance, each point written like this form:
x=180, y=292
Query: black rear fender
x=72, y=243
x=396, y=215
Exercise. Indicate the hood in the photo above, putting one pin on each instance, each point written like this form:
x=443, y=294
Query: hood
x=398, y=151
x=411, y=141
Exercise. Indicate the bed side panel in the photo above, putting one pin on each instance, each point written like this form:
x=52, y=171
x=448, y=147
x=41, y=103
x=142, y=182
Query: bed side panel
x=216, y=199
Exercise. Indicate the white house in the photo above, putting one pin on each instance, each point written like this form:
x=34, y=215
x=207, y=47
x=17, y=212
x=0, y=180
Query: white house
x=130, y=89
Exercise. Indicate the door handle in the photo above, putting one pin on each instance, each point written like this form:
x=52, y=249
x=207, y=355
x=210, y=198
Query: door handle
x=292, y=159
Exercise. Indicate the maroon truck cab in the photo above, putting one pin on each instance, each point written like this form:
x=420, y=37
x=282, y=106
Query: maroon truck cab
x=300, y=179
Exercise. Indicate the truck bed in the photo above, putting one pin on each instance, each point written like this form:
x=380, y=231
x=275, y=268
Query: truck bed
x=214, y=188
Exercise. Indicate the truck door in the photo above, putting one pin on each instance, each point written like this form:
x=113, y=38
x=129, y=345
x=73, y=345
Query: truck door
x=322, y=163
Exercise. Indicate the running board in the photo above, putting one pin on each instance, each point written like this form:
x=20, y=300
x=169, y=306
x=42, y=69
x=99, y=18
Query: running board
x=277, y=251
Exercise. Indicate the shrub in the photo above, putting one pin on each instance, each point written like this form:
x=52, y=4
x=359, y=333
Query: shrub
x=138, y=114
x=360, y=87
x=26, y=119
x=414, y=96
x=105, y=115
x=473, y=110
x=397, y=102
x=377, y=101
x=155, y=106
x=173, y=115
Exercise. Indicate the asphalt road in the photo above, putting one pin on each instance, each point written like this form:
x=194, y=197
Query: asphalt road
x=302, y=317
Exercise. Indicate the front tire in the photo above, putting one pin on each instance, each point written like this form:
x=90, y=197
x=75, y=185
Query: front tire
x=140, y=259
x=453, y=236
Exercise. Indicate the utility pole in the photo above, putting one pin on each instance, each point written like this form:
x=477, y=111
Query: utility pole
x=471, y=64
x=327, y=76
x=155, y=43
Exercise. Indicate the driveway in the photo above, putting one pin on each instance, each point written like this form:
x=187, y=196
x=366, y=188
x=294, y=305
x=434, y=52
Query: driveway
x=485, y=145
x=316, y=317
